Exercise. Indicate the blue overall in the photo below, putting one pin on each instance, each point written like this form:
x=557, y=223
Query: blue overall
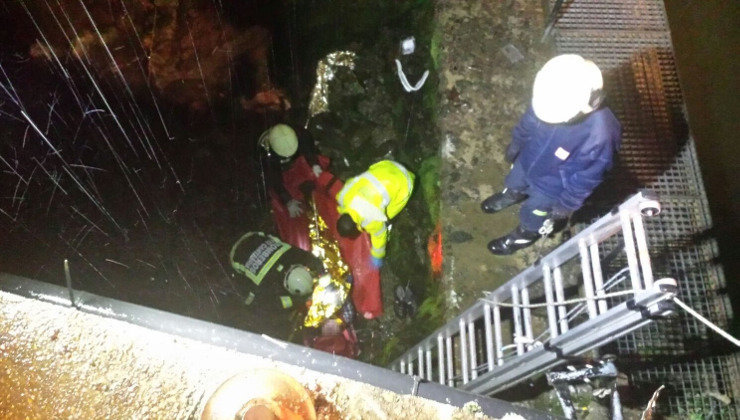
x=559, y=165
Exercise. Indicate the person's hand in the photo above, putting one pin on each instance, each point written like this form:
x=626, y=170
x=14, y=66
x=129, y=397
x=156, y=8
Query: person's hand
x=294, y=208
x=317, y=171
x=376, y=262
x=560, y=212
x=511, y=153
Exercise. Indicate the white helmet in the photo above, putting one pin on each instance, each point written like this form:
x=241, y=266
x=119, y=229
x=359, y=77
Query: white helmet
x=298, y=281
x=566, y=86
x=283, y=140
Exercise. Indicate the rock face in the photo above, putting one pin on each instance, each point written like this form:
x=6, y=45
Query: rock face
x=184, y=50
x=482, y=94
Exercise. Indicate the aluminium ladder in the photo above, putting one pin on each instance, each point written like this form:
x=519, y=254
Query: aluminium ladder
x=469, y=351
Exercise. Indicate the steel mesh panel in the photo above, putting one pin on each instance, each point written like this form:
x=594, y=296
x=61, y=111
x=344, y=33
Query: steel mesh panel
x=630, y=41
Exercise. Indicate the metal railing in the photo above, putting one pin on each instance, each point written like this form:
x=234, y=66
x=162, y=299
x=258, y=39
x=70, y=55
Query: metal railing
x=497, y=342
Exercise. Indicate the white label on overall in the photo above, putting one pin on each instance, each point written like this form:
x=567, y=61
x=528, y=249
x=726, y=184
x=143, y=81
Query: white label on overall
x=562, y=154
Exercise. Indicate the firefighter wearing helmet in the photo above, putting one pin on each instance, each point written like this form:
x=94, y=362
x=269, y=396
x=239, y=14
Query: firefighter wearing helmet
x=279, y=273
x=287, y=147
x=559, y=151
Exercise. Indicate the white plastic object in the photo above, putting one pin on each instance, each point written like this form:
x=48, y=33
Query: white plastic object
x=408, y=45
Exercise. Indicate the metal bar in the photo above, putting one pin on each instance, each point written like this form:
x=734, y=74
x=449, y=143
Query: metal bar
x=403, y=367
x=450, y=366
x=429, y=364
x=527, y=318
x=410, y=365
x=517, y=317
x=473, y=351
x=560, y=298
x=498, y=334
x=642, y=250
x=464, y=353
x=598, y=277
x=420, y=362
x=551, y=315
x=489, y=336
x=588, y=284
x=629, y=249
x=441, y=358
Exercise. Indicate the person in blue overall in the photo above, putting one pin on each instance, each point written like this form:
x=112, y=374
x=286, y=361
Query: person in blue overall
x=560, y=150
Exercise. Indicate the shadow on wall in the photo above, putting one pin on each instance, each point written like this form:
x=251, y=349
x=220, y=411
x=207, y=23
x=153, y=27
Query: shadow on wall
x=654, y=130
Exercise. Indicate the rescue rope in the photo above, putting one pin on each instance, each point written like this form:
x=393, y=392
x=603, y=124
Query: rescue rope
x=565, y=302
x=707, y=322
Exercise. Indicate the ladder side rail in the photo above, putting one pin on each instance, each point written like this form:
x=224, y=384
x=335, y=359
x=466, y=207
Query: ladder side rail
x=616, y=322
x=629, y=250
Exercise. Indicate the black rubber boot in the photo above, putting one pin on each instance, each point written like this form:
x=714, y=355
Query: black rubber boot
x=514, y=241
x=502, y=200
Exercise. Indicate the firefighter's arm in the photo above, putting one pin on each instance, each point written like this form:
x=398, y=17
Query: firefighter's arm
x=396, y=205
x=378, y=237
x=583, y=173
x=520, y=135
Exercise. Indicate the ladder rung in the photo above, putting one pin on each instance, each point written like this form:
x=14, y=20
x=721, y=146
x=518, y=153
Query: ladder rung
x=516, y=310
x=441, y=358
x=588, y=283
x=450, y=366
x=527, y=318
x=473, y=350
x=551, y=315
x=489, y=336
x=429, y=364
x=598, y=277
x=560, y=298
x=463, y=352
x=498, y=334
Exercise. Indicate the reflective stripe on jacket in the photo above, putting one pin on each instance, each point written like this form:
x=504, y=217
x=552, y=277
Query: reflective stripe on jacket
x=375, y=196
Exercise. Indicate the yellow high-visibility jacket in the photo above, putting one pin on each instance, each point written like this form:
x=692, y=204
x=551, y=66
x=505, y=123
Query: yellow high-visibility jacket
x=374, y=197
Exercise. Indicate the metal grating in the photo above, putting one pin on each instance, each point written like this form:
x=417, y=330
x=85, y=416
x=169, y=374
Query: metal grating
x=630, y=41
